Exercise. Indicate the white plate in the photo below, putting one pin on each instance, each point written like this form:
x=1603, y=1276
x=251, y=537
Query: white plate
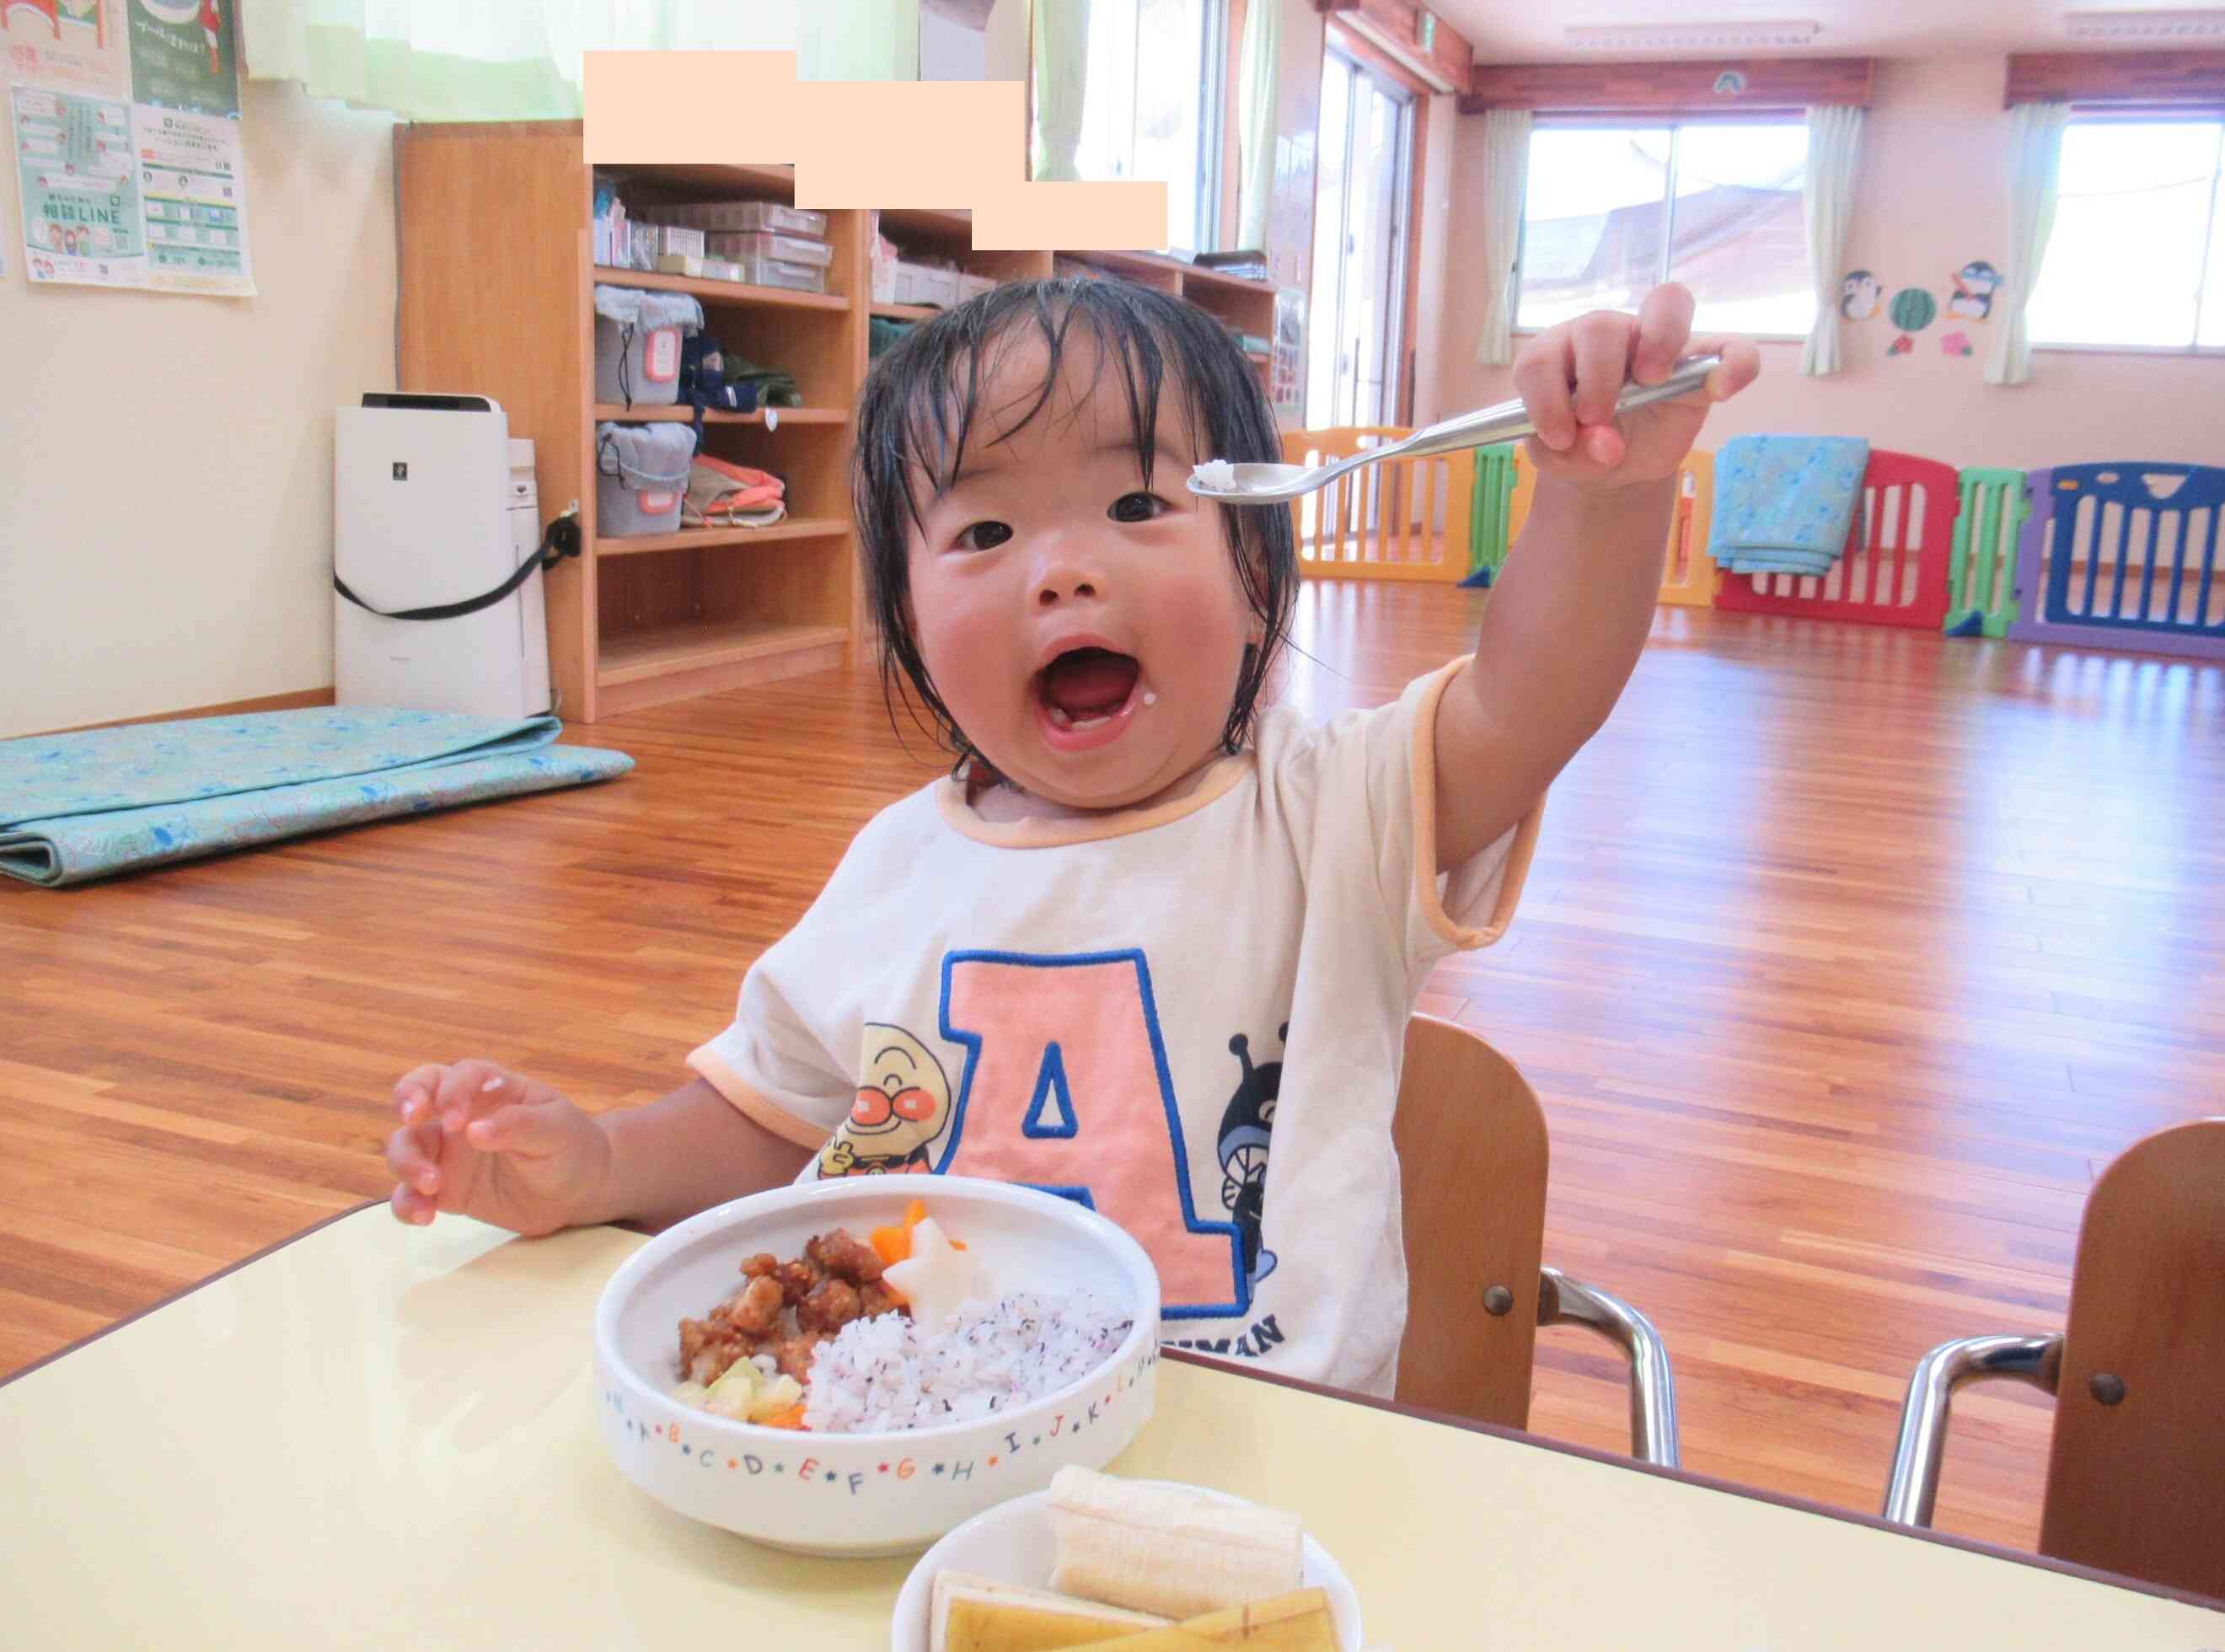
x=1014, y=1543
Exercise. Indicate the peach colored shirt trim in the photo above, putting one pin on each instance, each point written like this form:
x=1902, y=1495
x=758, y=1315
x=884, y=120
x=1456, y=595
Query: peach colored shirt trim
x=1213, y=784
x=707, y=1065
x=1427, y=885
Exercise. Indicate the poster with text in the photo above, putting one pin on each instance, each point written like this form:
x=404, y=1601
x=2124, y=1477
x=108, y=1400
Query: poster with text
x=79, y=187
x=69, y=45
x=183, y=55
x=195, y=202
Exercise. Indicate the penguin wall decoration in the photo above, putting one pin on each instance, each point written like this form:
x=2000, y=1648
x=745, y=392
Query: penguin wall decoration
x=1976, y=283
x=1858, y=294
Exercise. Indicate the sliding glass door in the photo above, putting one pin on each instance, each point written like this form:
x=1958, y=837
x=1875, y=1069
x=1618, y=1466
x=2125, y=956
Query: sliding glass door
x=1356, y=315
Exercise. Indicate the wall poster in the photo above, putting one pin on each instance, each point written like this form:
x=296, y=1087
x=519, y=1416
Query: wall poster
x=124, y=118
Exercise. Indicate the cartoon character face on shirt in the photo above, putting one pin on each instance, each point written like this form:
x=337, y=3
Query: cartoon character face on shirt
x=901, y=1105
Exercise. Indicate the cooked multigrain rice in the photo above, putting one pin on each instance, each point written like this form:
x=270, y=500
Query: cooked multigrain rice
x=986, y=1357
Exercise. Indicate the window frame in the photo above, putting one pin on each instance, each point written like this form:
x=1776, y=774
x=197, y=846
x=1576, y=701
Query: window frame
x=2107, y=115
x=1216, y=79
x=1670, y=121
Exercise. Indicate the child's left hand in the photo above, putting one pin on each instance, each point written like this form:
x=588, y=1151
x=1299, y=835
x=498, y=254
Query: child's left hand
x=1570, y=375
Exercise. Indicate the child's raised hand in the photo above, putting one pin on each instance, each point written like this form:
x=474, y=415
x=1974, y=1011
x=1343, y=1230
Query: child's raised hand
x=1570, y=375
x=480, y=1141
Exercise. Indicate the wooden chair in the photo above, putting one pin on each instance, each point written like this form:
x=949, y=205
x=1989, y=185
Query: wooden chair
x=1404, y=519
x=2138, y=1458
x=1471, y=1155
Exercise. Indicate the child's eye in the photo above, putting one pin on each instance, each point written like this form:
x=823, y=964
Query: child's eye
x=1137, y=507
x=984, y=535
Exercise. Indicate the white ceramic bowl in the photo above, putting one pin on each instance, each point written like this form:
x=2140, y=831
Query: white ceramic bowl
x=1015, y=1542
x=892, y=1493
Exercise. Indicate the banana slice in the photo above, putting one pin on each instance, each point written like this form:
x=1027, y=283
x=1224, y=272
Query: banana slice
x=977, y=1614
x=1173, y=1553
x=1293, y=1622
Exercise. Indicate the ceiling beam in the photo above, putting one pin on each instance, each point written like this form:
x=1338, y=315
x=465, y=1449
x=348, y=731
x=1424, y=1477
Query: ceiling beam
x=2187, y=80
x=1415, y=37
x=1711, y=86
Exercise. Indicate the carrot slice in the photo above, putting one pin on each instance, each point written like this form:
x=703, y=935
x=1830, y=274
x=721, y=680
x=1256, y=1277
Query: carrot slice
x=791, y=1418
x=892, y=1245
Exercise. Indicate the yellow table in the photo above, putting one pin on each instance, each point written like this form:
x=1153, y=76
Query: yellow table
x=382, y=1436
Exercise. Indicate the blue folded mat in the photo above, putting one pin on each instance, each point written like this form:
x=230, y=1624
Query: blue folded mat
x=1783, y=504
x=74, y=807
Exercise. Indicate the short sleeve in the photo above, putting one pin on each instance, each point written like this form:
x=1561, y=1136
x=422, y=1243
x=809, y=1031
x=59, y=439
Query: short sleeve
x=1366, y=784
x=773, y=1061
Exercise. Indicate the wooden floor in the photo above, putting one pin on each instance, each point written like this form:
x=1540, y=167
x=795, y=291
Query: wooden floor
x=1848, y=956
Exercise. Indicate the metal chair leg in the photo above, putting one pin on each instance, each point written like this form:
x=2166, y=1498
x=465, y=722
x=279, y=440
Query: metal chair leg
x=1562, y=1300
x=1909, y=1493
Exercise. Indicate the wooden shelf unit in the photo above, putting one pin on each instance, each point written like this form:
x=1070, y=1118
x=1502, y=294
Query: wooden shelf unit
x=498, y=285
x=686, y=415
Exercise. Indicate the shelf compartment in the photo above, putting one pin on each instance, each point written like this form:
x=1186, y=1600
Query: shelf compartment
x=712, y=538
x=701, y=645
x=723, y=292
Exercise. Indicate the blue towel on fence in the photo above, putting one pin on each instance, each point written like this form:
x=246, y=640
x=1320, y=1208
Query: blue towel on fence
x=1783, y=504
x=74, y=807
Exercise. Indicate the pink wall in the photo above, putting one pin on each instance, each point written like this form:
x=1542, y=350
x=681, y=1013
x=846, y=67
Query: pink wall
x=1933, y=195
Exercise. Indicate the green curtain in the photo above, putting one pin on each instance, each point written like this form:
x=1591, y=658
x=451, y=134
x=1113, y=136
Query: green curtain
x=519, y=60
x=1259, y=75
x=1062, y=82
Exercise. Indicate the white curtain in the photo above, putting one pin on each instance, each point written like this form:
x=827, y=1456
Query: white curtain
x=1826, y=198
x=1498, y=195
x=2037, y=128
x=1062, y=82
x=1259, y=76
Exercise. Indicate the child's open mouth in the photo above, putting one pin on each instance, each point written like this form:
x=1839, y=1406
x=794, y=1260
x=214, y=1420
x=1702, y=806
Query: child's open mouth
x=1086, y=697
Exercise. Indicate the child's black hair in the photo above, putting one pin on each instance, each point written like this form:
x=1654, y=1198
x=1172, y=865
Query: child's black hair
x=922, y=400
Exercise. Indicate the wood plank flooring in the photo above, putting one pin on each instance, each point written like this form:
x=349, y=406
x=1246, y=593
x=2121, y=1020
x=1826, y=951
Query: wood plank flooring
x=1848, y=956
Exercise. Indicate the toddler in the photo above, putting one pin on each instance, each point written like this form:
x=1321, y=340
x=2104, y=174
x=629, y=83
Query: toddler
x=1153, y=946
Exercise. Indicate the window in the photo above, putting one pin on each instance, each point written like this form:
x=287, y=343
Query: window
x=1612, y=211
x=1150, y=109
x=2137, y=256
x=1358, y=304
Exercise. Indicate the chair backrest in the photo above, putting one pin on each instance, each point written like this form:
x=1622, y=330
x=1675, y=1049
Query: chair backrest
x=2138, y=1460
x=1471, y=1158
x=1402, y=520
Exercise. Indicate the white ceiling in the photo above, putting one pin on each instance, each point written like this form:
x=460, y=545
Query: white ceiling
x=1523, y=31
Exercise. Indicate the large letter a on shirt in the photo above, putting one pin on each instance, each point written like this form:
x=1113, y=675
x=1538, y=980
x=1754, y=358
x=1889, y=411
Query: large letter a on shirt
x=1065, y=1087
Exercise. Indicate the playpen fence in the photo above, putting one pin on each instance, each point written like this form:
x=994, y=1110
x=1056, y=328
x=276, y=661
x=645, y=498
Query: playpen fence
x=1981, y=577
x=2125, y=555
x=1402, y=519
x=1894, y=569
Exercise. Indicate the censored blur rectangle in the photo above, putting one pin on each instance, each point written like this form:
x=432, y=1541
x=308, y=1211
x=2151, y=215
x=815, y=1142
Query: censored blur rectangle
x=859, y=143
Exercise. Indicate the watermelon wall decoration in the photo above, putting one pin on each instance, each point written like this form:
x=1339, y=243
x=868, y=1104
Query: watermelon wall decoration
x=1913, y=309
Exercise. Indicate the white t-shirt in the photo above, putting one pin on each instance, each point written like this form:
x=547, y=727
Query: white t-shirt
x=1191, y=1018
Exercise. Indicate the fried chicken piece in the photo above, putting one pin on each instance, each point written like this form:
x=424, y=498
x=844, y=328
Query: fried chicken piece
x=708, y=1349
x=830, y=1306
x=793, y=1355
x=844, y=1257
x=755, y=1308
x=758, y=1266
x=798, y=1281
x=875, y=1298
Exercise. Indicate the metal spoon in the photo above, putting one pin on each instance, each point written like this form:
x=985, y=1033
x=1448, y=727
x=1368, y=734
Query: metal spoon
x=1277, y=484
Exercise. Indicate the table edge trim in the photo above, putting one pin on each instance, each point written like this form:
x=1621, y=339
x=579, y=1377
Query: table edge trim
x=185, y=1290
x=1708, y=1483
